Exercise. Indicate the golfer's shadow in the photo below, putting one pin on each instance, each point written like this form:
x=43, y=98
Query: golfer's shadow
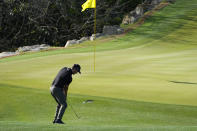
x=182, y=82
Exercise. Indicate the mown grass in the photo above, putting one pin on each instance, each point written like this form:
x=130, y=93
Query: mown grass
x=175, y=23
x=32, y=109
x=144, y=80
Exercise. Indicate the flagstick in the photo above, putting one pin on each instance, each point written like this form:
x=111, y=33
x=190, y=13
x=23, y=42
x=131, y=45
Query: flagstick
x=95, y=37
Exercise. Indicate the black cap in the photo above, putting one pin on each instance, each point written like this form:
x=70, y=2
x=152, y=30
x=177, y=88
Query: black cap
x=77, y=67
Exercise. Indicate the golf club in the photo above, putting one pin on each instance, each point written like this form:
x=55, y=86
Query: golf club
x=73, y=110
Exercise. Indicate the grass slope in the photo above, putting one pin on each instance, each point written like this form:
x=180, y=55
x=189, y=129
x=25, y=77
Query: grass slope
x=144, y=80
x=32, y=109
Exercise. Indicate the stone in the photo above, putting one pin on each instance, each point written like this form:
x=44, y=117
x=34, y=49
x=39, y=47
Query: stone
x=71, y=42
x=6, y=54
x=134, y=15
x=120, y=31
x=84, y=38
x=79, y=41
x=33, y=48
x=98, y=35
x=128, y=20
x=112, y=30
x=139, y=10
x=93, y=37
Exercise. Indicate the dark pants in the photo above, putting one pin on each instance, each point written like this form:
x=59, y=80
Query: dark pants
x=60, y=98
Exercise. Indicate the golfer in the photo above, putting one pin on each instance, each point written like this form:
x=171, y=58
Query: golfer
x=59, y=90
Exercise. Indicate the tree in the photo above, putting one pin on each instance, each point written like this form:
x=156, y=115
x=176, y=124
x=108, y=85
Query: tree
x=53, y=22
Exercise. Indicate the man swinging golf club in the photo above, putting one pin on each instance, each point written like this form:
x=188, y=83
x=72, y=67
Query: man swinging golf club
x=59, y=90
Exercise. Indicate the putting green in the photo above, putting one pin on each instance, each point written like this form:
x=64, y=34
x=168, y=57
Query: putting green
x=144, y=80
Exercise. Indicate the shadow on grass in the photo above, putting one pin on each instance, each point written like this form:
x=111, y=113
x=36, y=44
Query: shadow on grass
x=181, y=82
x=2, y=85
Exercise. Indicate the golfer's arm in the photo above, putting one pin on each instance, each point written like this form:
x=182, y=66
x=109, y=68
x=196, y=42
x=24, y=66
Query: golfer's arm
x=65, y=89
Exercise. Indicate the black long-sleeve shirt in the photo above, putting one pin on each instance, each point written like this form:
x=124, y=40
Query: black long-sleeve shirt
x=63, y=78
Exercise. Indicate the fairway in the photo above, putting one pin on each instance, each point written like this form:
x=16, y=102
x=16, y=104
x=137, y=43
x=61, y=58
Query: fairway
x=144, y=80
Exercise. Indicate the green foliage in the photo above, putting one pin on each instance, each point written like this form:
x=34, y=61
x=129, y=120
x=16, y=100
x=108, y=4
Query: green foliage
x=115, y=21
x=30, y=23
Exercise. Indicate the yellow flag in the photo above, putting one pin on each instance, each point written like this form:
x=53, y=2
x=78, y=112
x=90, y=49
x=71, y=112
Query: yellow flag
x=89, y=4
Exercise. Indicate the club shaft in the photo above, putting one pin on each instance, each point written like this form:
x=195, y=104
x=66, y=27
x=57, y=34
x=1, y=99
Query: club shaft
x=74, y=111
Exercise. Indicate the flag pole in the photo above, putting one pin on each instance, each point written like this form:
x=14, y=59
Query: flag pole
x=94, y=38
